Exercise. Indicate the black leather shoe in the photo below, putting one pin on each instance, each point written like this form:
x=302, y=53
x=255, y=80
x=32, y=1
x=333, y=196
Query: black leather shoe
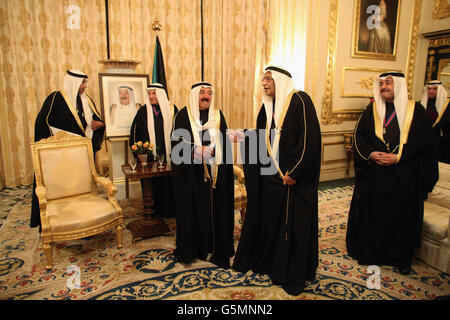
x=405, y=270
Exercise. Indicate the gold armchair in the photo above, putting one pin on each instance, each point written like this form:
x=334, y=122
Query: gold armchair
x=240, y=193
x=66, y=186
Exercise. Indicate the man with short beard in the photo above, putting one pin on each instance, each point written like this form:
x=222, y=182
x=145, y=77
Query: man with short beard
x=395, y=168
x=203, y=181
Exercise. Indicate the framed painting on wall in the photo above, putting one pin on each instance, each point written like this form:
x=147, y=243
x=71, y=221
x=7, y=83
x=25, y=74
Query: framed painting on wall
x=375, y=29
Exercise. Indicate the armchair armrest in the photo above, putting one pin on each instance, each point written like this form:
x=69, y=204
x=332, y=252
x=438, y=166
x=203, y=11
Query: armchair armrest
x=105, y=183
x=239, y=173
x=41, y=193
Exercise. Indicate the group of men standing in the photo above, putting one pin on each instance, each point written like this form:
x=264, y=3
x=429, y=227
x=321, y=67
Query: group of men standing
x=396, y=151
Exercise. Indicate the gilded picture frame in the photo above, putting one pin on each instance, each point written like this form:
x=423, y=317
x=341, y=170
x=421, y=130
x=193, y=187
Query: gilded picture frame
x=121, y=95
x=375, y=30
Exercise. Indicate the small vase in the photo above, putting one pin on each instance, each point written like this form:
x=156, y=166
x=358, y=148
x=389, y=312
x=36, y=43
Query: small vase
x=142, y=157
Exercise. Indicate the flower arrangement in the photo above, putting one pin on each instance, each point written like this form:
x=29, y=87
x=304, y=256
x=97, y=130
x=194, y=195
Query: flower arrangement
x=142, y=147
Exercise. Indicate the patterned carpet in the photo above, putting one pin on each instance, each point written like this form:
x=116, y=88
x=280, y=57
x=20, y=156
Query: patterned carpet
x=146, y=269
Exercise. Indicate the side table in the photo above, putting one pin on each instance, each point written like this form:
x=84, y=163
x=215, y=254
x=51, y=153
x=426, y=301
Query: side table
x=149, y=226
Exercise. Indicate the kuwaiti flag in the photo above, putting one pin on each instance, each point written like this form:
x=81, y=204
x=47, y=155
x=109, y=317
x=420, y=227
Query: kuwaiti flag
x=159, y=73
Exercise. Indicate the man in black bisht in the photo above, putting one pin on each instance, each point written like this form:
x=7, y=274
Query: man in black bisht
x=203, y=181
x=70, y=110
x=280, y=231
x=435, y=101
x=153, y=123
x=395, y=169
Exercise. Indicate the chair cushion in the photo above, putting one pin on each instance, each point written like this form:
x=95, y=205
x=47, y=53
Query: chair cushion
x=76, y=214
x=436, y=221
x=66, y=171
x=444, y=173
x=440, y=195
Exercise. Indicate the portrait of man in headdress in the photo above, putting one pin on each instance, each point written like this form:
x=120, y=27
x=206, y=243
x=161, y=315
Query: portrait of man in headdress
x=122, y=97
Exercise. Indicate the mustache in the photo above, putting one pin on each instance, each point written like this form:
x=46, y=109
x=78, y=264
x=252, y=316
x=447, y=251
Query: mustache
x=204, y=99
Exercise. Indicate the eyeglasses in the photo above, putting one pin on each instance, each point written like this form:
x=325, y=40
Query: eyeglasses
x=267, y=78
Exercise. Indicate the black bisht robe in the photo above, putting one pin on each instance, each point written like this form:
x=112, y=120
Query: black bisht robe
x=442, y=131
x=205, y=215
x=162, y=187
x=280, y=232
x=59, y=116
x=386, y=211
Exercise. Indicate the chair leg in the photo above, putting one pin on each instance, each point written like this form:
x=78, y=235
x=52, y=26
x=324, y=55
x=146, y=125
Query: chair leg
x=48, y=251
x=243, y=211
x=119, y=229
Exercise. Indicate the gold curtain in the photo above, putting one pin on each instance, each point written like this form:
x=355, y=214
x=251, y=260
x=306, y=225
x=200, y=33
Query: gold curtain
x=37, y=46
x=234, y=47
x=287, y=37
x=132, y=37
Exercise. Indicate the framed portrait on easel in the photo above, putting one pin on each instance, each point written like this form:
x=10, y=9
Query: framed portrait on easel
x=121, y=96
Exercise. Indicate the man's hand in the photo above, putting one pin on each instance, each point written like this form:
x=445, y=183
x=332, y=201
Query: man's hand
x=97, y=124
x=203, y=152
x=235, y=135
x=383, y=158
x=288, y=181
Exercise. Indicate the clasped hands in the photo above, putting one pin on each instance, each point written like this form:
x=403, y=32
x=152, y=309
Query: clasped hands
x=203, y=152
x=383, y=158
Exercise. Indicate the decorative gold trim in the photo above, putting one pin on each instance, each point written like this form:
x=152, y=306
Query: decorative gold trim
x=406, y=127
x=447, y=102
x=364, y=82
x=366, y=54
x=334, y=170
x=119, y=63
x=441, y=9
x=356, y=142
x=279, y=125
x=329, y=116
x=72, y=110
x=327, y=162
x=65, y=140
x=62, y=137
x=414, y=38
x=439, y=42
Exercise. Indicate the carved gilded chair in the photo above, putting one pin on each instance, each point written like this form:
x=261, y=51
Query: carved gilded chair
x=66, y=186
x=240, y=193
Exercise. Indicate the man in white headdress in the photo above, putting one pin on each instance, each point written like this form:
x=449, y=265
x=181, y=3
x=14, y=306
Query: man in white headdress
x=153, y=123
x=280, y=232
x=395, y=168
x=436, y=103
x=70, y=110
x=203, y=181
x=124, y=110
